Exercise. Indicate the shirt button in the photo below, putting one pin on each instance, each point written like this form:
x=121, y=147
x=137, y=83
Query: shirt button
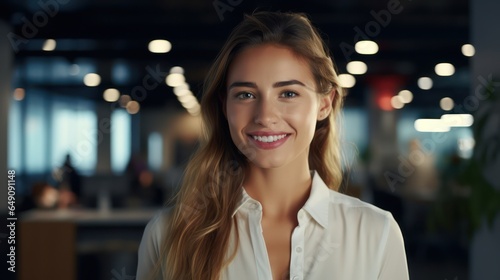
x=298, y=249
x=296, y=278
x=254, y=205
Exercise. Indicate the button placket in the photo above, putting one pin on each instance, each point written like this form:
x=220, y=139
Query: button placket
x=259, y=246
x=297, y=254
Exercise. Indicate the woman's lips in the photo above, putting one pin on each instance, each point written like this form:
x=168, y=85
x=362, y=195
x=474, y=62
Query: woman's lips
x=268, y=141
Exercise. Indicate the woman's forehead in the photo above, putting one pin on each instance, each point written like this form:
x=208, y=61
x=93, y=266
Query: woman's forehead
x=269, y=63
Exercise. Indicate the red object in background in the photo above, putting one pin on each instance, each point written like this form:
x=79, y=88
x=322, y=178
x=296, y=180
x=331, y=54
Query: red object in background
x=384, y=88
x=384, y=101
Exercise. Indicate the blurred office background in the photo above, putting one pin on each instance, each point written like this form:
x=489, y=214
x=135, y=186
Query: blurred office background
x=99, y=113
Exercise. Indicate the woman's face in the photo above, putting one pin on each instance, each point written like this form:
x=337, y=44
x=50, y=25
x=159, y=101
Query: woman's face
x=272, y=106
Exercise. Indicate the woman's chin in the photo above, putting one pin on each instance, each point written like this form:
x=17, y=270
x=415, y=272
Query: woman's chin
x=267, y=163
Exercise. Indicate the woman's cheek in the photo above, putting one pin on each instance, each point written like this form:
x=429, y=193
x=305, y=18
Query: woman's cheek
x=300, y=113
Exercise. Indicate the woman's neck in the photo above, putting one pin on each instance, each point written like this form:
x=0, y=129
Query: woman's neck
x=281, y=191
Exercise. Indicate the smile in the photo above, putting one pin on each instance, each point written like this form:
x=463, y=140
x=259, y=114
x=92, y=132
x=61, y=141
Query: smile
x=269, y=139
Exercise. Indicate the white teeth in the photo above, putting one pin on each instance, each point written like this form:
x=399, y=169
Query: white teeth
x=268, y=139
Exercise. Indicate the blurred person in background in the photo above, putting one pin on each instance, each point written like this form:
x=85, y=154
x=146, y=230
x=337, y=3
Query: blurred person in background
x=145, y=189
x=46, y=197
x=71, y=181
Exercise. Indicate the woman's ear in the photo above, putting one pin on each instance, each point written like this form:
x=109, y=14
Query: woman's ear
x=325, y=105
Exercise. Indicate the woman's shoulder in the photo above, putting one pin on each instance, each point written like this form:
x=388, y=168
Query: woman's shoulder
x=356, y=216
x=151, y=242
x=371, y=232
x=342, y=206
x=356, y=208
x=156, y=224
x=155, y=229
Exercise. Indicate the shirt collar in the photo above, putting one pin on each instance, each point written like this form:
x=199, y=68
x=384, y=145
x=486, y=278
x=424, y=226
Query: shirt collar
x=244, y=198
x=316, y=205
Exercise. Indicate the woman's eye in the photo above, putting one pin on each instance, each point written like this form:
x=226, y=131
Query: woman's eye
x=289, y=94
x=244, y=95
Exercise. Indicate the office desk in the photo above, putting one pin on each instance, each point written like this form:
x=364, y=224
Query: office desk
x=51, y=240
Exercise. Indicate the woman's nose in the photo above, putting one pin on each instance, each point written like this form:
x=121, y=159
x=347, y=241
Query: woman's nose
x=266, y=113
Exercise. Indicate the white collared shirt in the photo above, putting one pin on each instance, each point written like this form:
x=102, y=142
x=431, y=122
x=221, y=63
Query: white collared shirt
x=338, y=237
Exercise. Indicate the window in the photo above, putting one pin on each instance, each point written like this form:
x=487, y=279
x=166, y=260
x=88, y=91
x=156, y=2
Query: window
x=120, y=140
x=35, y=151
x=43, y=130
x=155, y=151
x=15, y=137
x=74, y=132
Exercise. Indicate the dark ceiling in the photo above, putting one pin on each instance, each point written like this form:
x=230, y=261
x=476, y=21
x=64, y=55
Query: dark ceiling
x=420, y=35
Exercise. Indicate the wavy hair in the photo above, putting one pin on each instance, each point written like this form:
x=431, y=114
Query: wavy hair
x=199, y=227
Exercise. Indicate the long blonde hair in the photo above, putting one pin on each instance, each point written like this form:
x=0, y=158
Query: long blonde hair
x=198, y=231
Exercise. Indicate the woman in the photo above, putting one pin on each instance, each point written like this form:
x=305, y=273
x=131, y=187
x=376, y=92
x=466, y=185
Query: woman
x=259, y=198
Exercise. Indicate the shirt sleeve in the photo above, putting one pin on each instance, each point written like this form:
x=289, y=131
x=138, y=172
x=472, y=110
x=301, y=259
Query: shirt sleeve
x=394, y=265
x=150, y=247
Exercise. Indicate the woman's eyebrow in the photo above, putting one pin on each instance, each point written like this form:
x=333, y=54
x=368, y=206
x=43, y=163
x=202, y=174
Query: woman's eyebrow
x=275, y=85
x=242, y=84
x=288, y=83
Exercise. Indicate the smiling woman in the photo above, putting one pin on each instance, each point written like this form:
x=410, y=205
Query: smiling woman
x=259, y=198
x=272, y=94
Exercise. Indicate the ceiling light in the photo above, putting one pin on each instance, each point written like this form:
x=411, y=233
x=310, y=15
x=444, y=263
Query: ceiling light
x=356, y=67
x=133, y=107
x=425, y=83
x=396, y=102
x=190, y=104
x=182, y=90
x=177, y=69
x=444, y=69
x=111, y=95
x=195, y=111
x=159, y=46
x=347, y=80
x=366, y=47
x=92, y=80
x=468, y=50
x=431, y=125
x=124, y=100
x=458, y=120
x=186, y=99
x=49, y=45
x=446, y=104
x=406, y=96
x=175, y=79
